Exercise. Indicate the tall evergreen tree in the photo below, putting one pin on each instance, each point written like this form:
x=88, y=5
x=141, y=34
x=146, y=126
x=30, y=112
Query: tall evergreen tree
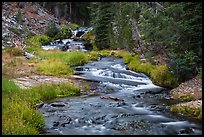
x=103, y=26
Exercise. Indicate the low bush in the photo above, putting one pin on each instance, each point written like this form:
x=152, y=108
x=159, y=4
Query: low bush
x=16, y=31
x=74, y=26
x=37, y=41
x=52, y=30
x=89, y=37
x=16, y=52
x=64, y=33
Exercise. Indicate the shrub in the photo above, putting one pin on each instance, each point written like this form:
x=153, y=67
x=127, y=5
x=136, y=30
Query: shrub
x=182, y=64
x=74, y=26
x=187, y=97
x=86, y=87
x=64, y=33
x=19, y=17
x=15, y=51
x=52, y=30
x=89, y=37
x=200, y=73
x=37, y=40
x=149, y=56
x=16, y=31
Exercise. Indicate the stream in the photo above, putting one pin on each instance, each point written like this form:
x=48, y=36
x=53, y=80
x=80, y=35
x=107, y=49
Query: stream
x=139, y=110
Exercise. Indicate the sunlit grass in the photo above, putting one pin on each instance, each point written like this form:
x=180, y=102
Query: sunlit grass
x=18, y=114
x=196, y=112
x=54, y=67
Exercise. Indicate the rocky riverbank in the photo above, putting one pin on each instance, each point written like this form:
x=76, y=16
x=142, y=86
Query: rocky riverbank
x=190, y=94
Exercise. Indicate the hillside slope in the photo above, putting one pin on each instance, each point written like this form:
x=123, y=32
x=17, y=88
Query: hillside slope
x=19, y=22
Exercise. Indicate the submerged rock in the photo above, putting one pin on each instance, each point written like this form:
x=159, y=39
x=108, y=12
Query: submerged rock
x=57, y=105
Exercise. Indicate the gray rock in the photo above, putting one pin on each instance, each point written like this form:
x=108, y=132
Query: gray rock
x=28, y=55
x=57, y=105
x=40, y=13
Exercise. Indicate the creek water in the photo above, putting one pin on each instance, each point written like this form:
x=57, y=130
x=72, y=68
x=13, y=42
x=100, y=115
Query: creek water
x=139, y=112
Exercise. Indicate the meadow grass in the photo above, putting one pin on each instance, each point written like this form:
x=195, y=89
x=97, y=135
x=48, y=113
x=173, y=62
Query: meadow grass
x=195, y=112
x=19, y=117
x=54, y=67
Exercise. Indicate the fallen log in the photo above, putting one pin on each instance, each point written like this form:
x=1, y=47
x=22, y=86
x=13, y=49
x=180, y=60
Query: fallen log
x=113, y=98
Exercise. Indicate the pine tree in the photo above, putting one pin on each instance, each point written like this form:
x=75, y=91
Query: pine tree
x=103, y=26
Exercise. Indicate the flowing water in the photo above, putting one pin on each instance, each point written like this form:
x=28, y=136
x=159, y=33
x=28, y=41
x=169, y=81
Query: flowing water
x=137, y=112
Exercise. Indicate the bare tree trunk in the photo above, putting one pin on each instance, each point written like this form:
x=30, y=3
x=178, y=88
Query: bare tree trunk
x=137, y=37
x=56, y=11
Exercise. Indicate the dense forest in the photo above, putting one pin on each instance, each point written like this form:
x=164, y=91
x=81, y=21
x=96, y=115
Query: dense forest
x=169, y=28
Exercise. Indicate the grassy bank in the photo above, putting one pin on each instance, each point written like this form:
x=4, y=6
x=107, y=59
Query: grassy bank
x=18, y=113
x=160, y=75
x=19, y=116
x=189, y=111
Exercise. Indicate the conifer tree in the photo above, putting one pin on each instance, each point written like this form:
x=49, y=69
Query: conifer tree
x=103, y=26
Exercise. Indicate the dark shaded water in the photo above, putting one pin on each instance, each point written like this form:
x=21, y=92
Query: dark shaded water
x=139, y=113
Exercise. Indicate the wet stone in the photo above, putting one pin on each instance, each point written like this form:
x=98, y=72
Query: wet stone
x=186, y=131
x=55, y=124
x=138, y=96
x=57, y=105
x=67, y=121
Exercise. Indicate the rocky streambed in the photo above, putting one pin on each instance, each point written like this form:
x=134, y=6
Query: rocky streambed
x=124, y=103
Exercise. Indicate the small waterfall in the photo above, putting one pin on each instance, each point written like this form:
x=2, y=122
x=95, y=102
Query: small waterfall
x=73, y=44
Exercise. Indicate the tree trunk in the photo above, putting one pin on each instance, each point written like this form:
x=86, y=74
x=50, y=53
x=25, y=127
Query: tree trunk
x=137, y=37
x=56, y=11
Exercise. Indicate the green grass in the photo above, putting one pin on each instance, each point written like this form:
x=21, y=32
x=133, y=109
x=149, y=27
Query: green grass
x=51, y=91
x=160, y=75
x=18, y=114
x=60, y=63
x=54, y=67
x=195, y=112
